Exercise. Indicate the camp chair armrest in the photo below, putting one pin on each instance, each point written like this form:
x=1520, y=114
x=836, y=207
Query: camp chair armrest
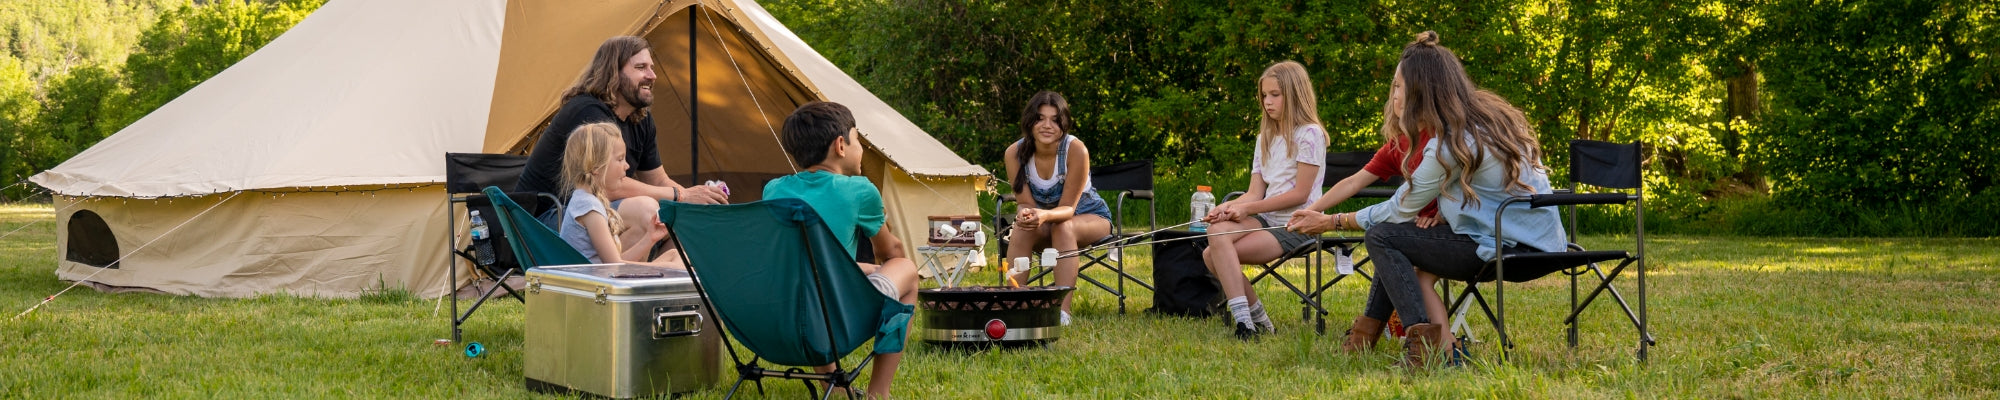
x=1545, y=200
x=1139, y=194
x=1231, y=196
x=550, y=198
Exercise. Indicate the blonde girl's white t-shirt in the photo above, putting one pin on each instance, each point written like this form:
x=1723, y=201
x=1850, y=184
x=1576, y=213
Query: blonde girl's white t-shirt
x=1308, y=146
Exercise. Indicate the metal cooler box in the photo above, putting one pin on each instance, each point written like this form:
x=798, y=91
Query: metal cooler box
x=618, y=330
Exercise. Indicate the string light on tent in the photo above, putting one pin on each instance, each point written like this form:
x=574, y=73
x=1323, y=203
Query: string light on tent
x=121, y=258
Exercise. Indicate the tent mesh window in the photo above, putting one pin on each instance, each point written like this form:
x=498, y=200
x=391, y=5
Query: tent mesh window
x=91, y=242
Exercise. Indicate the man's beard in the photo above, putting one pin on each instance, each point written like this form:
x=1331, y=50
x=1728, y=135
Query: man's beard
x=633, y=97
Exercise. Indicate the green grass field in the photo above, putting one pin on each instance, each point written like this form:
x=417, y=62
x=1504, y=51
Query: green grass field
x=1735, y=318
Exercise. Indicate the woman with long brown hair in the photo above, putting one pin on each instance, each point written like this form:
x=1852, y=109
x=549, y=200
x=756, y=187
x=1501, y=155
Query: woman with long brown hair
x=1482, y=154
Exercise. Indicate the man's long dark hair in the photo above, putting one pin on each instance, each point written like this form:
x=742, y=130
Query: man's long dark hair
x=604, y=80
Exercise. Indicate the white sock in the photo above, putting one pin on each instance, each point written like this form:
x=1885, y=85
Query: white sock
x=1065, y=318
x=1239, y=307
x=1263, y=320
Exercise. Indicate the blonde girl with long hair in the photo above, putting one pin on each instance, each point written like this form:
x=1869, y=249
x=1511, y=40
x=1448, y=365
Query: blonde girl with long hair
x=1285, y=174
x=593, y=157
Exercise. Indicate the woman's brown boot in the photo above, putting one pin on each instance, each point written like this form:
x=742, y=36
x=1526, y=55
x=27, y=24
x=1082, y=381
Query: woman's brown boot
x=1362, y=336
x=1422, y=342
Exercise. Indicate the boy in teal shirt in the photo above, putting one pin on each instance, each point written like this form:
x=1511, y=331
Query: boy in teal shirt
x=823, y=142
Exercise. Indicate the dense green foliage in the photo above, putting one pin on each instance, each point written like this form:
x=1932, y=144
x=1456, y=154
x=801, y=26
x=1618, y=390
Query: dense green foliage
x=1884, y=114
x=1173, y=81
x=74, y=72
x=1800, y=117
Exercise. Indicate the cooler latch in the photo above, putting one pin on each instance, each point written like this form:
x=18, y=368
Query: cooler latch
x=601, y=298
x=534, y=284
x=676, y=323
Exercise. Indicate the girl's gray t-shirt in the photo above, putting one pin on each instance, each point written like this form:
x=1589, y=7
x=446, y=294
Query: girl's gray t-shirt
x=580, y=203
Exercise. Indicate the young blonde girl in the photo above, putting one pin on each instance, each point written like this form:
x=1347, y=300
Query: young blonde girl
x=1285, y=174
x=592, y=159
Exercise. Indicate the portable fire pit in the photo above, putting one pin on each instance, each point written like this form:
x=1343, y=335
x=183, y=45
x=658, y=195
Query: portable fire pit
x=988, y=315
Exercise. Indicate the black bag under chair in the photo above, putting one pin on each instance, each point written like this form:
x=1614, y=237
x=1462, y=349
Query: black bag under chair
x=1601, y=164
x=465, y=175
x=1182, y=284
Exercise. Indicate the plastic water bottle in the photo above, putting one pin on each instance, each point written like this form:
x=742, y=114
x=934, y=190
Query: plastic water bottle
x=482, y=240
x=1198, y=207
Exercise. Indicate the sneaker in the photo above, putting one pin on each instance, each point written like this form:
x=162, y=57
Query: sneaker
x=1246, y=332
x=1065, y=318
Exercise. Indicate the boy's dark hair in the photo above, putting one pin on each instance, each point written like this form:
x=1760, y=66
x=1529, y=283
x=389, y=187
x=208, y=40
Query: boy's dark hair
x=812, y=128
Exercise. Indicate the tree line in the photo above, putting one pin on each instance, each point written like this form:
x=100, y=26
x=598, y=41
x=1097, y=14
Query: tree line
x=1800, y=117
x=74, y=72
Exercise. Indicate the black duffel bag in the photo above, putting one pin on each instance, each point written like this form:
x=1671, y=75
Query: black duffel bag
x=1182, y=284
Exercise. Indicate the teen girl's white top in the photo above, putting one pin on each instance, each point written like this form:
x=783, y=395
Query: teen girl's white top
x=1308, y=146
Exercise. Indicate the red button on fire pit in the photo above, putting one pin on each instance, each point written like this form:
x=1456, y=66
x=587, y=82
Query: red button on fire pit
x=996, y=329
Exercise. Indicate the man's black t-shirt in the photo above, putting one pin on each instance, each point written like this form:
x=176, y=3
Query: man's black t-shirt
x=544, y=171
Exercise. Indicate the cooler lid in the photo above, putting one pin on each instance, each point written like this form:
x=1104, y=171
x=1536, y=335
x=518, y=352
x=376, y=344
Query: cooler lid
x=616, y=279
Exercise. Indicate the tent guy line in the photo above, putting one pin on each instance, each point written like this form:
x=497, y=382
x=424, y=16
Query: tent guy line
x=80, y=282
x=709, y=14
x=58, y=212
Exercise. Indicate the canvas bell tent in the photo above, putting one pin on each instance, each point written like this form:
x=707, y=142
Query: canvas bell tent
x=315, y=165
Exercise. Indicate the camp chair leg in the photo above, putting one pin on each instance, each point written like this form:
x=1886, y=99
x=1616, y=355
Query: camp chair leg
x=1604, y=285
x=739, y=384
x=1572, y=322
x=469, y=258
x=1120, y=270
x=1118, y=274
x=1471, y=292
x=459, y=320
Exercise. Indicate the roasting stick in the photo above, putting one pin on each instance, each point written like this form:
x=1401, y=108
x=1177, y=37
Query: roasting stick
x=1076, y=252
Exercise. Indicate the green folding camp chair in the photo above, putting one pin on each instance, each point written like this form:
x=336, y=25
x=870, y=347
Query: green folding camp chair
x=781, y=283
x=534, y=243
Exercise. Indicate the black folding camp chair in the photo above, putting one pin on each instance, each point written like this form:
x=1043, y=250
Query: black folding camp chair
x=1339, y=165
x=1604, y=165
x=465, y=175
x=1130, y=180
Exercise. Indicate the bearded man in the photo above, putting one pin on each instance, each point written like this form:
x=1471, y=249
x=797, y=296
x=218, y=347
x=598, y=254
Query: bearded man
x=617, y=87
